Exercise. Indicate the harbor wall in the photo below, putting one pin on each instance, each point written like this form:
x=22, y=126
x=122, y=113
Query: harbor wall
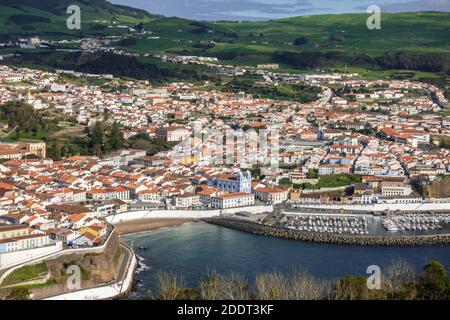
x=176, y=214
x=361, y=240
x=412, y=207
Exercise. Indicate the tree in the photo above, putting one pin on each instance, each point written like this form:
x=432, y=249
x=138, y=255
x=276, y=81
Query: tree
x=23, y=116
x=285, y=182
x=98, y=133
x=106, y=114
x=224, y=287
x=444, y=142
x=170, y=286
x=399, y=280
x=151, y=145
x=236, y=287
x=304, y=286
x=97, y=138
x=55, y=151
x=139, y=26
x=300, y=41
x=355, y=288
x=211, y=286
x=115, y=139
x=272, y=286
x=17, y=134
x=312, y=174
x=433, y=283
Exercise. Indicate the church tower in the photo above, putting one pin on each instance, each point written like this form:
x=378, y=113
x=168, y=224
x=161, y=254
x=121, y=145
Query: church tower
x=244, y=180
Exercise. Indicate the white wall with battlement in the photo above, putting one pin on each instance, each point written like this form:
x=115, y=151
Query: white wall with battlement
x=177, y=214
x=412, y=207
x=10, y=259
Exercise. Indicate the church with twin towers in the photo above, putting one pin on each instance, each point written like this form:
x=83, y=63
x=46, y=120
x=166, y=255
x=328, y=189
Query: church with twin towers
x=241, y=182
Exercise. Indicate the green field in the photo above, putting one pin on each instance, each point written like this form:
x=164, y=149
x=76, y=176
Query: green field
x=253, y=41
x=415, y=32
x=49, y=17
x=332, y=181
x=445, y=113
x=26, y=273
x=406, y=41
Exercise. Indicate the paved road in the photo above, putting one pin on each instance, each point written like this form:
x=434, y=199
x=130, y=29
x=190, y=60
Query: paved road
x=126, y=260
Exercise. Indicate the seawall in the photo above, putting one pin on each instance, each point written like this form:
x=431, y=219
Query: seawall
x=360, y=240
x=181, y=214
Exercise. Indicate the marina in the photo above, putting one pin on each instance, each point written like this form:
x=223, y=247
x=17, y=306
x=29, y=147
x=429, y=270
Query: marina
x=367, y=224
x=181, y=250
x=415, y=222
x=329, y=223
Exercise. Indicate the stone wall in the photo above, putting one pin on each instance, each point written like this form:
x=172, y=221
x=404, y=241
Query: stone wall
x=14, y=258
x=188, y=214
x=363, y=240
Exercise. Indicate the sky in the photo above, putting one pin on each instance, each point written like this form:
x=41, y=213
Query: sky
x=275, y=9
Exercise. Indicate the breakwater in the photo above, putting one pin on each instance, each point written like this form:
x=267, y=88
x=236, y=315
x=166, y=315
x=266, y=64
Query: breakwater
x=361, y=240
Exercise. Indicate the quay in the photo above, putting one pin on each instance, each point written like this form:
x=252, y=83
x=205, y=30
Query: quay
x=343, y=239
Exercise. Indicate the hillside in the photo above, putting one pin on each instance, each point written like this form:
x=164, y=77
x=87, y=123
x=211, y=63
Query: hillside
x=344, y=35
x=415, y=32
x=407, y=41
x=49, y=17
x=438, y=189
x=423, y=31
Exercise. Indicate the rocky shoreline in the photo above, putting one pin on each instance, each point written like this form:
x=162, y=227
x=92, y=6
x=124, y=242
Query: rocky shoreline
x=361, y=240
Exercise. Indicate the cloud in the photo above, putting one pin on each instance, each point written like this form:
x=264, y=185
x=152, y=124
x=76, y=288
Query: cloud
x=414, y=5
x=225, y=9
x=272, y=9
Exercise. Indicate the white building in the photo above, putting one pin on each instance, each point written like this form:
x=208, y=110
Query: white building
x=392, y=189
x=242, y=182
x=273, y=196
x=29, y=241
x=233, y=200
x=187, y=200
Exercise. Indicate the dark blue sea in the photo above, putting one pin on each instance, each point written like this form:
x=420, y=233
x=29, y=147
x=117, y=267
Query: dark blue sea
x=193, y=249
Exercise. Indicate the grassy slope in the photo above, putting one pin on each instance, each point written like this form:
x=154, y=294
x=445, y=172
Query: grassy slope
x=254, y=42
x=26, y=273
x=408, y=31
x=103, y=14
x=423, y=31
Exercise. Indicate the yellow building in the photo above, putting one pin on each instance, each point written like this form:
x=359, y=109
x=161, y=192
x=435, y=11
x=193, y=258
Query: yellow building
x=10, y=231
x=19, y=150
x=37, y=148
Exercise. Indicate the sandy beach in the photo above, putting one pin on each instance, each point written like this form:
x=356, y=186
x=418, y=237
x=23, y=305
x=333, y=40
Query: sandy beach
x=142, y=225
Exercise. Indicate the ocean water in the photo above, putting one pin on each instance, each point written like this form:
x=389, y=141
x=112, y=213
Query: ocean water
x=193, y=249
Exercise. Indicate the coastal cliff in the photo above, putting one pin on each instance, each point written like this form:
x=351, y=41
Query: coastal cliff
x=438, y=189
x=96, y=268
x=362, y=240
x=48, y=277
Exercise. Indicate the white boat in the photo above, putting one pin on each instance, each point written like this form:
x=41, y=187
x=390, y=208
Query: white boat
x=391, y=227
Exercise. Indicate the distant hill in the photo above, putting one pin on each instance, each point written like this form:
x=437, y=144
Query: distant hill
x=312, y=41
x=406, y=41
x=49, y=16
x=59, y=6
x=418, y=31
